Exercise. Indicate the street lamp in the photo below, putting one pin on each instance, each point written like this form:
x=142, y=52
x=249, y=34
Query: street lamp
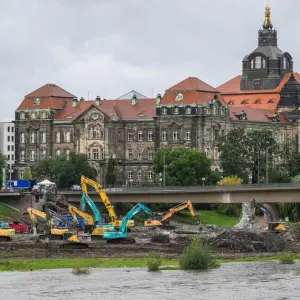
x=10, y=183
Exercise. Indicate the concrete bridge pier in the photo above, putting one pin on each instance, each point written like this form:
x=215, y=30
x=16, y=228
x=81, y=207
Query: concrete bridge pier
x=274, y=209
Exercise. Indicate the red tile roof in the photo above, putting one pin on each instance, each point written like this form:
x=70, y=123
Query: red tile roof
x=45, y=103
x=192, y=84
x=144, y=109
x=50, y=90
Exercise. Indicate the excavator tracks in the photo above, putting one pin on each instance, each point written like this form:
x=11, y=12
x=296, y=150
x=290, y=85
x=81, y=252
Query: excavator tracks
x=121, y=241
x=74, y=246
x=5, y=238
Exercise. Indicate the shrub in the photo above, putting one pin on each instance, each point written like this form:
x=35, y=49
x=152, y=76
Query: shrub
x=197, y=256
x=153, y=261
x=287, y=258
x=80, y=271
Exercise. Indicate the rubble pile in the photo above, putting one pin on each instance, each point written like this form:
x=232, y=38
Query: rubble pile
x=293, y=237
x=250, y=241
x=246, y=219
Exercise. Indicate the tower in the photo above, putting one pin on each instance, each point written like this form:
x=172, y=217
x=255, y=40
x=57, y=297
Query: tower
x=264, y=68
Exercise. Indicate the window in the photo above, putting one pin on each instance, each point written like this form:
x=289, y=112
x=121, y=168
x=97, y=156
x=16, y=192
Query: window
x=175, y=135
x=258, y=62
x=286, y=63
x=139, y=155
x=22, y=116
x=68, y=154
x=8, y=129
x=12, y=138
x=188, y=135
x=12, y=148
x=164, y=111
x=67, y=136
x=21, y=174
x=32, y=137
x=32, y=155
x=33, y=115
x=263, y=63
x=22, y=155
x=94, y=132
x=43, y=153
x=150, y=174
x=140, y=136
x=8, y=157
x=8, y=138
x=244, y=102
x=150, y=136
x=150, y=154
x=130, y=154
x=252, y=64
x=130, y=136
x=176, y=111
x=44, y=137
x=207, y=152
x=102, y=153
x=57, y=137
x=8, y=148
x=164, y=135
x=101, y=133
x=95, y=154
x=12, y=129
x=57, y=152
x=89, y=155
x=188, y=110
x=12, y=157
x=129, y=174
x=257, y=102
x=22, y=138
x=43, y=115
x=139, y=174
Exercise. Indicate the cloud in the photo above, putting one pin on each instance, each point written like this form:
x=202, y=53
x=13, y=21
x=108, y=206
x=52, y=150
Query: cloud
x=108, y=47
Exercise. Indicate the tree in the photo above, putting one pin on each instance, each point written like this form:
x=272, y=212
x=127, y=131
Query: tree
x=3, y=164
x=110, y=172
x=64, y=171
x=244, y=153
x=27, y=174
x=182, y=166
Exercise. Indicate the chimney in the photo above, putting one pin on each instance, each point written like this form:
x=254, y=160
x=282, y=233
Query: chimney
x=158, y=99
x=81, y=99
x=75, y=102
x=98, y=100
x=134, y=99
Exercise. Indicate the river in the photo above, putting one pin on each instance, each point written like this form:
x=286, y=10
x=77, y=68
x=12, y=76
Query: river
x=232, y=281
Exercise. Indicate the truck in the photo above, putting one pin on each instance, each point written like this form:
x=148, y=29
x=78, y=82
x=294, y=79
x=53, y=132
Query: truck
x=20, y=184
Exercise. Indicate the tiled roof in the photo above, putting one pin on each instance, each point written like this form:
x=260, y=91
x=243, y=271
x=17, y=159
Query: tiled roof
x=190, y=98
x=192, y=84
x=255, y=114
x=144, y=109
x=50, y=90
x=130, y=94
x=44, y=103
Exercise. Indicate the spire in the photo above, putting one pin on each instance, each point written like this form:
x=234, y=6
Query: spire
x=267, y=22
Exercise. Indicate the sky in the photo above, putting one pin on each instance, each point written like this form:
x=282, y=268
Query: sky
x=109, y=47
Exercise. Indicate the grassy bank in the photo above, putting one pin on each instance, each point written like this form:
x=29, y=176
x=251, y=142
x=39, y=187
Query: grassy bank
x=42, y=264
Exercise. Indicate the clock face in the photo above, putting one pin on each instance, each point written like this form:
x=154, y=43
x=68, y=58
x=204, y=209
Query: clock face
x=95, y=116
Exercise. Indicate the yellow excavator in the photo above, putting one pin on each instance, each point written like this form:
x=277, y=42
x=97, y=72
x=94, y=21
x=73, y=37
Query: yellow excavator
x=168, y=214
x=95, y=230
x=103, y=196
x=6, y=232
x=69, y=234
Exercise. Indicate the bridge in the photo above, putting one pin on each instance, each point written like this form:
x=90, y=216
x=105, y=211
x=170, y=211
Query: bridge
x=271, y=193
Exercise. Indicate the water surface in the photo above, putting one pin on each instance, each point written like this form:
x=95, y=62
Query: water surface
x=233, y=281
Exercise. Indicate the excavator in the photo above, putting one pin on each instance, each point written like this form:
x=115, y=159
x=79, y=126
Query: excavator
x=274, y=227
x=103, y=196
x=6, y=232
x=91, y=226
x=69, y=235
x=168, y=214
x=120, y=235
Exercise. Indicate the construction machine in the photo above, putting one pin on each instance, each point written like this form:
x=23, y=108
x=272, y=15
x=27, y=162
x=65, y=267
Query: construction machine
x=120, y=235
x=6, y=232
x=103, y=196
x=69, y=234
x=275, y=227
x=163, y=221
x=91, y=226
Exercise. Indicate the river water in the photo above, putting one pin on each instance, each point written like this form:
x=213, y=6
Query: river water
x=232, y=281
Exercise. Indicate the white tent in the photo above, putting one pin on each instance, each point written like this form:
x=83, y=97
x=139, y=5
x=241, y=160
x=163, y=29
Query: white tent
x=46, y=182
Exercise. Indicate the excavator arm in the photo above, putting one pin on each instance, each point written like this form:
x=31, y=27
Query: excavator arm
x=85, y=199
x=33, y=213
x=74, y=211
x=263, y=209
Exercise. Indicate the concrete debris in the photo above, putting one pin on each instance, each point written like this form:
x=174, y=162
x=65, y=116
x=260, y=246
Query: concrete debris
x=246, y=219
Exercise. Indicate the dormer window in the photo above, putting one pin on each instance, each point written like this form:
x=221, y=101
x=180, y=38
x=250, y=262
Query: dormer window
x=286, y=63
x=230, y=102
x=22, y=116
x=244, y=102
x=257, y=102
x=258, y=62
x=176, y=111
x=33, y=115
x=188, y=110
x=271, y=101
x=164, y=111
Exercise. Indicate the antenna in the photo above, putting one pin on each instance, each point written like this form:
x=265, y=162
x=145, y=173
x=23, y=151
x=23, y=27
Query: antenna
x=152, y=93
x=88, y=94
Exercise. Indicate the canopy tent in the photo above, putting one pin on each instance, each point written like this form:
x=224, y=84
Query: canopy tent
x=46, y=182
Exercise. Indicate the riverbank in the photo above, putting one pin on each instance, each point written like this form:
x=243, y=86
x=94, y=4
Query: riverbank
x=45, y=264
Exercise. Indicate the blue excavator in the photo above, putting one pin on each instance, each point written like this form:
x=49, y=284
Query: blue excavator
x=120, y=235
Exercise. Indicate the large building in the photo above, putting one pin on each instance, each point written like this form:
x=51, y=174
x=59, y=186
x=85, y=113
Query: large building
x=7, y=142
x=51, y=121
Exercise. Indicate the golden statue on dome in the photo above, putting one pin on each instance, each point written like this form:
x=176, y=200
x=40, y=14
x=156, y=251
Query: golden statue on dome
x=267, y=22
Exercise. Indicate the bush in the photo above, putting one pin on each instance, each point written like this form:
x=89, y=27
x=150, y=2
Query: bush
x=80, y=271
x=197, y=256
x=153, y=261
x=287, y=259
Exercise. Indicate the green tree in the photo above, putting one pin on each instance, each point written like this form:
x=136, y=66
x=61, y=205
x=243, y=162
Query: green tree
x=182, y=166
x=3, y=164
x=64, y=171
x=110, y=172
x=247, y=151
x=27, y=174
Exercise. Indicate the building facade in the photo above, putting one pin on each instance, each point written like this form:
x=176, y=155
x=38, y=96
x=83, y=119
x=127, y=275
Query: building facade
x=51, y=121
x=7, y=142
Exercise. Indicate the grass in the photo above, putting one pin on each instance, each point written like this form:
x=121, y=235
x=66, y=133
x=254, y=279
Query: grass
x=154, y=261
x=4, y=210
x=287, y=258
x=207, y=217
x=81, y=271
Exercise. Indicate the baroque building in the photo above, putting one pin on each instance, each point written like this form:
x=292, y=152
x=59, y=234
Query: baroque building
x=51, y=121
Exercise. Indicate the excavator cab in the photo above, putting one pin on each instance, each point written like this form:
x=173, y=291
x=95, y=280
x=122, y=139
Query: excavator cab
x=6, y=232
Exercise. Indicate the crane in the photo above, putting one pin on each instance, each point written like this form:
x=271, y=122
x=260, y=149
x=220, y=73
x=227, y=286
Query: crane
x=6, y=232
x=121, y=236
x=168, y=214
x=103, y=196
x=91, y=226
x=275, y=227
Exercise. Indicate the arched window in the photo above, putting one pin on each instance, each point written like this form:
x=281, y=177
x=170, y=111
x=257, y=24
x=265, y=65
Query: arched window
x=258, y=62
x=94, y=132
x=286, y=63
x=252, y=63
x=176, y=110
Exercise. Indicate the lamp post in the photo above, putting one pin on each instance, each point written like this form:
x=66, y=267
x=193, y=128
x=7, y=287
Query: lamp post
x=10, y=183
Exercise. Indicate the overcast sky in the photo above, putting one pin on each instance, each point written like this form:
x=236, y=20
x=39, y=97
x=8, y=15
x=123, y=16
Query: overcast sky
x=109, y=47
